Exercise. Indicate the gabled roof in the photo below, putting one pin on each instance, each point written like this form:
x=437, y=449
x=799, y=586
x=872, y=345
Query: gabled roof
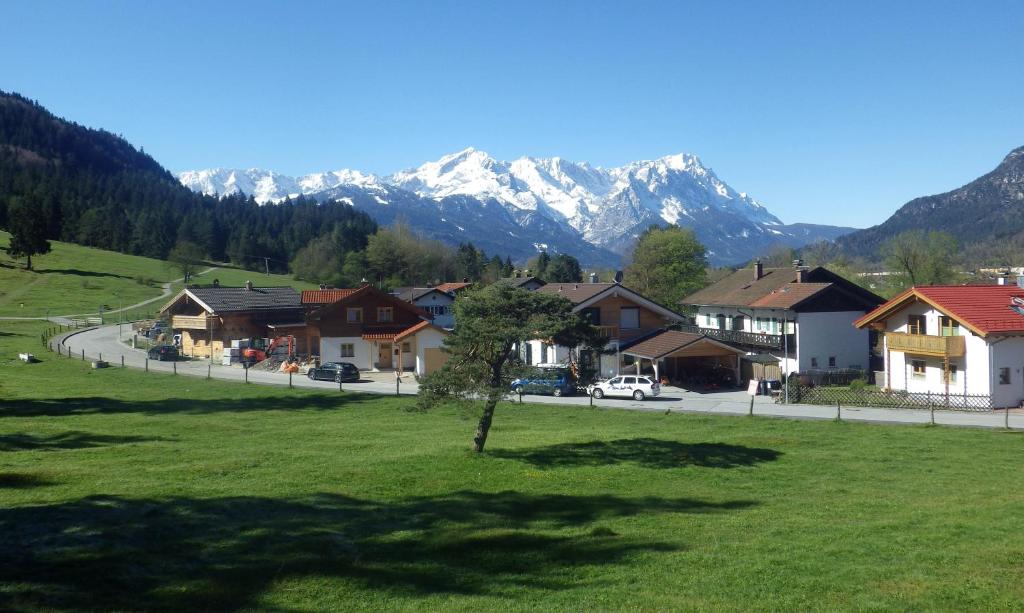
x=325, y=296
x=384, y=299
x=583, y=295
x=778, y=288
x=519, y=281
x=240, y=299
x=671, y=341
x=397, y=333
x=982, y=309
x=412, y=294
x=576, y=292
x=453, y=287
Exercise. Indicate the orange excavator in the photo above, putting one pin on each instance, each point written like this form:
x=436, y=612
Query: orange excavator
x=282, y=346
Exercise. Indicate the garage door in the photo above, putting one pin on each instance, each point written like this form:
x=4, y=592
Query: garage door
x=433, y=359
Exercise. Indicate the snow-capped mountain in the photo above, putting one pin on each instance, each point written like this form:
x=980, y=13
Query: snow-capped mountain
x=604, y=209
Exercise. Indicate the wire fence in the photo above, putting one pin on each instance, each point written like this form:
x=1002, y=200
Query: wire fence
x=894, y=399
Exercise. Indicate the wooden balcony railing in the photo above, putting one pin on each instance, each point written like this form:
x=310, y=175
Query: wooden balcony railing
x=923, y=344
x=189, y=322
x=739, y=337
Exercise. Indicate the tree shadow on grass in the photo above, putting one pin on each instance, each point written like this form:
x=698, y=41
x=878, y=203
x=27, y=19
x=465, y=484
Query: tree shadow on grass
x=65, y=440
x=646, y=452
x=56, y=407
x=23, y=481
x=108, y=552
x=80, y=273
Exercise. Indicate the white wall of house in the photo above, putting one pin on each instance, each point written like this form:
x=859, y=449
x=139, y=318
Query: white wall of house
x=330, y=351
x=427, y=338
x=544, y=353
x=821, y=336
x=440, y=306
x=1008, y=353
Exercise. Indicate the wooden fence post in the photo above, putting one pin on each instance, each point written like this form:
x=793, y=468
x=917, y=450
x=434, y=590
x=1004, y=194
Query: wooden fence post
x=147, y=363
x=839, y=412
x=174, y=367
x=208, y=371
x=83, y=354
x=122, y=360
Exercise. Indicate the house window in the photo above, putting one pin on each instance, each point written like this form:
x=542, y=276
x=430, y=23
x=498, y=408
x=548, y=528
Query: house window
x=1004, y=376
x=348, y=350
x=831, y=361
x=543, y=353
x=949, y=326
x=437, y=310
x=629, y=318
x=707, y=320
x=528, y=353
x=917, y=368
x=354, y=315
x=916, y=324
x=952, y=374
x=385, y=314
x=405, y=348
x=592, y=314
x=814, y=362
x=737, y=323
x=721, y=321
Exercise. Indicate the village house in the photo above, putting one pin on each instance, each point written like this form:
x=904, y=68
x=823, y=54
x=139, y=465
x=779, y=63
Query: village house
x=954, y=341
x=208, y=318
x=621, y=314
x=433, y=300
x=786, y=319
x=373, y=330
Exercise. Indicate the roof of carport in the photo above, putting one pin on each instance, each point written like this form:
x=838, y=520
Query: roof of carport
x=673, y=343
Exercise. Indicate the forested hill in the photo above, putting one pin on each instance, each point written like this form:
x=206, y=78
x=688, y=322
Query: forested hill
x=985, y=214
x=94, y=188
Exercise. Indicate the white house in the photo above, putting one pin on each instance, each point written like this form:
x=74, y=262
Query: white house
x=432, y=300
x=955, y=340
x=801, y=316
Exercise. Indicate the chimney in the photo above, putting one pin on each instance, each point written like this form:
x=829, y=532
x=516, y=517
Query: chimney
x=758, y=270
x=618, y=276
x=801, y=275
x=593, y=277
x=248, y=286
x=1001, y=280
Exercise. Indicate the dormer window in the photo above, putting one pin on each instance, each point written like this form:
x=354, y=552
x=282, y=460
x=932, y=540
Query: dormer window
x=385, y=314
x=916, y=324
x=354, y=315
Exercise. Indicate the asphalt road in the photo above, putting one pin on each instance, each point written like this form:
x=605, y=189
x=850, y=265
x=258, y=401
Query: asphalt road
x=104, y=342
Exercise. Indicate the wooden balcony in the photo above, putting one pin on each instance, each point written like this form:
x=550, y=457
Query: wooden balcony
x=189, y=322
x=739, y=337
x=609, y=332
x=923, y=344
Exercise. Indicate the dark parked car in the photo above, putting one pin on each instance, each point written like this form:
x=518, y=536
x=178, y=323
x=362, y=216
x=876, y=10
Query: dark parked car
x=546, y=381
x=163, y=353
x=334, y=371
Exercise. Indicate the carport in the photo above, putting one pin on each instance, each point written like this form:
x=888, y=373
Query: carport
x=672, y=352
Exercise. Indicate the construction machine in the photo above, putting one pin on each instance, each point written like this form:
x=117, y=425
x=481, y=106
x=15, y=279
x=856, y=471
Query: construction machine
x=260, y=349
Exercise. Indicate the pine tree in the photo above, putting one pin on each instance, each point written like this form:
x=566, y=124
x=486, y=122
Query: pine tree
x=28, y=230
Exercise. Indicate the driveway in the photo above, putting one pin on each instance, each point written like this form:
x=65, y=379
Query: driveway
x=103, y=341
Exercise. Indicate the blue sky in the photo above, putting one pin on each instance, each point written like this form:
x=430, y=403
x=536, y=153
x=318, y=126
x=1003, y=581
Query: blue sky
x=827, y=112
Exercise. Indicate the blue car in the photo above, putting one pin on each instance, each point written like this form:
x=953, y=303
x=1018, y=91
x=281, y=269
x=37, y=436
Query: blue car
x=554, y=382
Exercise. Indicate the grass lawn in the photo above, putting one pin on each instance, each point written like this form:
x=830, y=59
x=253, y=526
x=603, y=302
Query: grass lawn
x=121, y=490
x=72, y=279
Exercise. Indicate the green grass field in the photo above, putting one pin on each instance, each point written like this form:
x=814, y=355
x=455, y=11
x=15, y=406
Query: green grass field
x=122, y=490
x=72, y=279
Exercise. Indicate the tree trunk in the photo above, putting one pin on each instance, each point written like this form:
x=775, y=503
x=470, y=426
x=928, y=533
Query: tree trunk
x=28, y=266
x=484, y=426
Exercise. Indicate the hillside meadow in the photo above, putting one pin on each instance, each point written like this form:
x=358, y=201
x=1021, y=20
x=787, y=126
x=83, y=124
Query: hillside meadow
x=73, y=279
x=125, y=490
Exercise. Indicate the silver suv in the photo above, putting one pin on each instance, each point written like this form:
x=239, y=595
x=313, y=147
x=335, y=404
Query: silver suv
x=639, y=387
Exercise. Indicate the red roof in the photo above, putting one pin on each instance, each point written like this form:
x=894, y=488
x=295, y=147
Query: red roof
x=394, y=333
x=984, y=309
x=325, y=296
x=452, y=287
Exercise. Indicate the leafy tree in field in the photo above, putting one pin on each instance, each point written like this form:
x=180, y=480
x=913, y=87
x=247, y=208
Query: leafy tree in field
x=28, y=231
x=482, y=362
x=668, y=264
x=186, y=257
x=920, y=258
x=541, y=267
x=563, y=269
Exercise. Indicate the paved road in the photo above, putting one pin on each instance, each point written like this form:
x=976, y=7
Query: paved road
x=104, y=341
